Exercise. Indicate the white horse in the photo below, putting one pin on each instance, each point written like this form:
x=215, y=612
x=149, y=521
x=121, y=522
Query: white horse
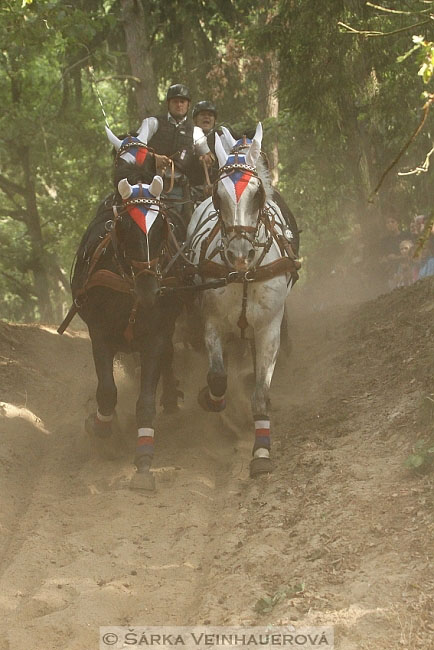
x=240, y=237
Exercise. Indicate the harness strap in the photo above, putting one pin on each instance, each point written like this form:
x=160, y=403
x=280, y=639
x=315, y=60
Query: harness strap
x=205, y=170
x=129, y=330
x=207, y=241
x=281, y=266
x=161, y=168
x=109, y=279
x=68, y=318
x=242, y=321
x=179, y=254
x=97, y=254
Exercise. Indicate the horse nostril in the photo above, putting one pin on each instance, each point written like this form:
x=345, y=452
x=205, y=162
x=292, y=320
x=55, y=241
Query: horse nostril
x=231, y=257
x=251, y=255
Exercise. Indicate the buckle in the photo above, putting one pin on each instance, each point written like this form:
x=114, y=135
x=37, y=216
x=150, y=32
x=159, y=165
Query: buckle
x=79, y=303
x=232, y=277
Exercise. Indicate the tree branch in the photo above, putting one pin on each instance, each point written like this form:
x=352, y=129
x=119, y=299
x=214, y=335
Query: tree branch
x=423, y=168
x=9, y=187
x=18, y=215
x=406, y=146
x=423, y=239
x=20, y=288
x=397, y=11
x=367, y=34
x=119, y=77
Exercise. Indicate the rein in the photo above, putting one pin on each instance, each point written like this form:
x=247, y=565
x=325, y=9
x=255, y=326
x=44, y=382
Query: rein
x=160, y=166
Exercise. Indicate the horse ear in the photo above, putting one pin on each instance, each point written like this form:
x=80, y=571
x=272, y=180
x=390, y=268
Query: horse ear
x=125, y=189
x=220, y=152
x=228, y=141
x=143, y=133
x=255, y=148
x=156, y=187
x=113, y=139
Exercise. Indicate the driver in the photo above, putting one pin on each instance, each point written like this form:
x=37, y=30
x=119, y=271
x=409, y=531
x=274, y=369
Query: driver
x=175, y=138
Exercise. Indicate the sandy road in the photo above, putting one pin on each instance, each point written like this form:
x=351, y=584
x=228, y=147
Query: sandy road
x=79, y=548
x=341, y=526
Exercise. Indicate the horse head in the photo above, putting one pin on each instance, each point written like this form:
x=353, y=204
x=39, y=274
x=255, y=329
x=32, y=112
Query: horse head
x=140, y=231
x=239, y=198
x=134, y=160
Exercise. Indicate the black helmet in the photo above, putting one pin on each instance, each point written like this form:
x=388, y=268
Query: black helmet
x=204, y=105
x=178, y=90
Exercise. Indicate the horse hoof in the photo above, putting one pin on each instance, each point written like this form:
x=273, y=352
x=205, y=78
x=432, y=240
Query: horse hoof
x=260, y=466
x=143, y=481
x=169, y=401
x=95, y=427
x=102, y=438
x=170, y=409
x=207, y=404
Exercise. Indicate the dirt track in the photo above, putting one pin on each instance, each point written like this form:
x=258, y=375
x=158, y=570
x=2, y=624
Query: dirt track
x=342, y=527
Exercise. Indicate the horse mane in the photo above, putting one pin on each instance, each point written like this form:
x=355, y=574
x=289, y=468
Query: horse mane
x=265, y=176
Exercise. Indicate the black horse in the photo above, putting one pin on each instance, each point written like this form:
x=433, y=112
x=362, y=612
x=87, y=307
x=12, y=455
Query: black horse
x=116, y=288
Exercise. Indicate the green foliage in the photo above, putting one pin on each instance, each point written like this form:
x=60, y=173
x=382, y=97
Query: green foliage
x=422, y=457
x=52, y=148
x=425, y=51
x=266, y=604
x=347, y=104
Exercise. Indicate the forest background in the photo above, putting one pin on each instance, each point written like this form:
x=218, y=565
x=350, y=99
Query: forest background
x=337, y=106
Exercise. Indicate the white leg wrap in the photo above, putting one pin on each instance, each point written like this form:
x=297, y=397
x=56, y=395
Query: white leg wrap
x=262, y=424
x=104, y=418
x=145, y=432
x=262, y=453
x=214, y=398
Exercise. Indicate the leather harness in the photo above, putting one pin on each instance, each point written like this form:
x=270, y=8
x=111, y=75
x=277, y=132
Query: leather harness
x=208, y=268
x=216, y=274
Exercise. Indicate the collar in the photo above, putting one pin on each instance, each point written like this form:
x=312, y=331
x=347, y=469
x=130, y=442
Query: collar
x=172, y=120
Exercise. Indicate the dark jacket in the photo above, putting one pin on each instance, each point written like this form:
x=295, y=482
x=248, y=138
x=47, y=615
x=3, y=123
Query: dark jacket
x=174, y=141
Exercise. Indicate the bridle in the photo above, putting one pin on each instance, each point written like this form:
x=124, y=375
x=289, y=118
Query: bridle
x=231, y=232
x=224, y=271
x=132, y=269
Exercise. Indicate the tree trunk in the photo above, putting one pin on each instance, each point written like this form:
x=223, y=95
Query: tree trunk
x=33, y=223
x=136, y=33
x=363, y=161
x=190, y=56
x=268, y=102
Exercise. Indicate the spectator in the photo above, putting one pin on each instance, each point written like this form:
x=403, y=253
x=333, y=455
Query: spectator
x=389, y=254
x=407, y=271
x=417, y=226
x=427, y=252
x=426, y=264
